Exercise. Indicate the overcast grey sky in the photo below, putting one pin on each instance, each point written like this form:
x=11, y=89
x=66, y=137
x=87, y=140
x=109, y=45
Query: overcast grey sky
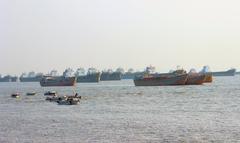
x=42, y=35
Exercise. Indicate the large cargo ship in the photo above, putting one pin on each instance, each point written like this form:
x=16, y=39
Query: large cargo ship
x=105, y=76
x=230, y=72
x=92, y=75
x=151, y=78
x=58, y=81
x=110, y=75
x=31, y=77
x=130, y=74
x=8, y=78
x=14, y=78
x=177, y=77
x=161, y=80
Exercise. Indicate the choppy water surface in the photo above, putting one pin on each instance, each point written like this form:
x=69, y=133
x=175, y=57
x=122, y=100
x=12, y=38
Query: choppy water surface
x=120, y=112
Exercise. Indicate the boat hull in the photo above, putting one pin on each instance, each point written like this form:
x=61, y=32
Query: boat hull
x=15, y=95
x=209, y=78
x=196, y=79
x=50, y=93
x=58, y=81
x=31, y=94
x=167, y=80
x=5, y=80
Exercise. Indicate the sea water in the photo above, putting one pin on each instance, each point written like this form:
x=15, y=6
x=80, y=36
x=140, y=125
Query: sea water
x=117, y=111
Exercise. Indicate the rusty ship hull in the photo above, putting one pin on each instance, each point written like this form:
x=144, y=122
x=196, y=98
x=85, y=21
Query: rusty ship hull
x=58, y=81
x=196, y=79
x=209, y=78
x=161, y=80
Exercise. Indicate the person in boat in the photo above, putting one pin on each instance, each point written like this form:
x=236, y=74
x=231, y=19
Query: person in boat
x=76, y=95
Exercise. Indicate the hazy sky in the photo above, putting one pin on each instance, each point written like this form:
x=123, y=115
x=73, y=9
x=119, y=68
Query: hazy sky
x=41, y=35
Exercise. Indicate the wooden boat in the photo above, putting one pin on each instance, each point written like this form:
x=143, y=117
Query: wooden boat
x=56, y=98
x=69, y=101
x=50, y=93
x=31, y=93
x=15, y=95
x=161, y=80
x=79, y=97
x=195, y=79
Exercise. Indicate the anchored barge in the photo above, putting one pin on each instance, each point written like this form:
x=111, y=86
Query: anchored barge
x=58, y=81
x=8, y=78
x=179, y=77
x=109, y=75
x=161, y=80
x=92, y=76
x=31, y=77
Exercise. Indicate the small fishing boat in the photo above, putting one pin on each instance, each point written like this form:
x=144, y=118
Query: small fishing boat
x=50, y=93
x=31, y=93
x=15, y=95
x=69, y=101
x=56, y=98
x=74, y=96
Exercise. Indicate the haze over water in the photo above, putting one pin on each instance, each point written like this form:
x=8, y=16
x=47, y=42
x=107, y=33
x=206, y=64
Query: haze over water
x=57, y=34
x=120, y=112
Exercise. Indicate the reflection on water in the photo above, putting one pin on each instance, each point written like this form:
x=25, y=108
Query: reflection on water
x=120, y=112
